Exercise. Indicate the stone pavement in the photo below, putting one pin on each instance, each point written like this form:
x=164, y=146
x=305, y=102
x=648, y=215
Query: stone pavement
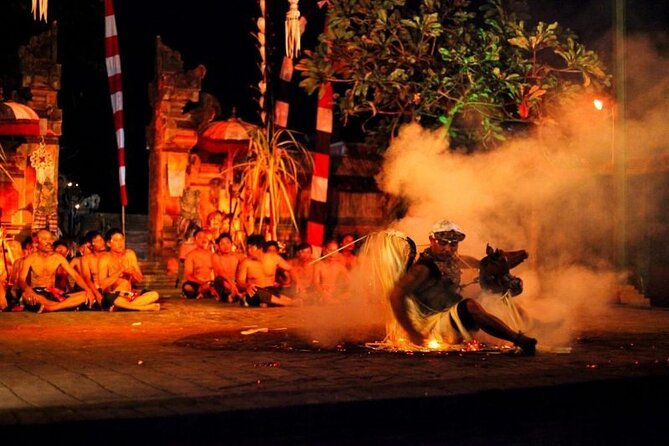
x=188, y=375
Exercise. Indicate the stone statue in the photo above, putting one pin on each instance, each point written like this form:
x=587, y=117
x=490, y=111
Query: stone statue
x=189, y=216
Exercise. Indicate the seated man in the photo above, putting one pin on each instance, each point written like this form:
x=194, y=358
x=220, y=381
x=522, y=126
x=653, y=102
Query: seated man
x=90, y=263
x=331, y=276
x=62, y=278
x=13, y=291
x=225, y=263
x=83, y=249
x=282, y=278
x=199, y=269
x=426, y=301
x=119, y=271
x=256, y=275
x=302, y=273
x=39, y=268
x=348, y=255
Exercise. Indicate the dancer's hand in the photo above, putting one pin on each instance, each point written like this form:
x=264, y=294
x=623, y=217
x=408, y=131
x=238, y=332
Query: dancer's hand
x=251, y=290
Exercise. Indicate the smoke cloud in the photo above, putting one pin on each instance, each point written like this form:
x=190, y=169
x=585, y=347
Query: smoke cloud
x=553, y=194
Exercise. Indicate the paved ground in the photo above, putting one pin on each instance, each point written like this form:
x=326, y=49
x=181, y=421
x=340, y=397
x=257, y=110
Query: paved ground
x=188, y=375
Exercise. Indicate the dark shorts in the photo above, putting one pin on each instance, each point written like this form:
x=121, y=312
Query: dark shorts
x=262, y=296
x=191, y=290
x=44, y=292
x=220, y=287
x=13, y=296
x=108, y=300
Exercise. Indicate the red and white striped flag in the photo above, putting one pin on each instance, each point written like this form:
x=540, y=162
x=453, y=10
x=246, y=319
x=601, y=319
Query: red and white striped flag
x=318, y=208
x=113, y=62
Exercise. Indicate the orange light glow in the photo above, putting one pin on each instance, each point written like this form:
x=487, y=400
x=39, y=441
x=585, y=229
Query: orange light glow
x=598, y=104
x=433, y=344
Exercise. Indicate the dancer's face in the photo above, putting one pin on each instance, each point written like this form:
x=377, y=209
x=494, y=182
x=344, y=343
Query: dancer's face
x=443, y=248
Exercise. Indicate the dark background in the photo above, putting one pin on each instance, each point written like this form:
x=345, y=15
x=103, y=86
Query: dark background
x=216, y=34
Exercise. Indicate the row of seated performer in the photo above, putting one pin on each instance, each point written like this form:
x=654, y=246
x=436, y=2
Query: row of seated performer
x=105, y=274
x=263, y=277
x=104, y=277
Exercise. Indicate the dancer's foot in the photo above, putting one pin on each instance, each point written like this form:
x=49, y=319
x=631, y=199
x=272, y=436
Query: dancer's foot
x=527, y=345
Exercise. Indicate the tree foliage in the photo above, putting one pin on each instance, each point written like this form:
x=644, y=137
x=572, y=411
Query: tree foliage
x=467, y=67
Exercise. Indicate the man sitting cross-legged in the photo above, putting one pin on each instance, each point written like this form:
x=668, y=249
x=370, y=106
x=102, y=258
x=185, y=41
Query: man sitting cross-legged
x=119, y=270
x=41, y=295
x=225, y=263
x=303, y=273
x=90, y=263
x=256, y=275
x=199, y=269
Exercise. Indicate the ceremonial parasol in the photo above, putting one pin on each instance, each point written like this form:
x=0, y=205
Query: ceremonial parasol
x=18, y=120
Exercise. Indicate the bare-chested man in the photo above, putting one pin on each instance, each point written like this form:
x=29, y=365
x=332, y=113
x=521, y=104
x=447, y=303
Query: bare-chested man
x=331, y=276
x=41, y=295
x=90, y=263
x=62, y=278
x=225, y=263
x=83, y=249
x=256, y=276
x=118, y=272
x=199, y=269
x=13, y=290
x=303, y=272
x=348, y=256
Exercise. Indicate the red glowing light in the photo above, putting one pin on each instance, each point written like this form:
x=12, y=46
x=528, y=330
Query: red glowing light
x=523, y=110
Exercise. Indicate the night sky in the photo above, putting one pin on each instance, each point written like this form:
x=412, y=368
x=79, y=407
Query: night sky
x=214, y=33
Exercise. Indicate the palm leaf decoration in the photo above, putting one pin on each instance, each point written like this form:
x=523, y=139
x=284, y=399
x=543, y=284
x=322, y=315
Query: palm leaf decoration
x=273, y=165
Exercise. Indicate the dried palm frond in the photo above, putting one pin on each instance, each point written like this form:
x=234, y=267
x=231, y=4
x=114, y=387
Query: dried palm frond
x=274, y=161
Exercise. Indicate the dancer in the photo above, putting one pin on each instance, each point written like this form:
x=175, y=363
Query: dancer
x=426, y=300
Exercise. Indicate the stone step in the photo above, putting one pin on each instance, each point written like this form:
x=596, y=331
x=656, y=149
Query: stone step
x=161, y=282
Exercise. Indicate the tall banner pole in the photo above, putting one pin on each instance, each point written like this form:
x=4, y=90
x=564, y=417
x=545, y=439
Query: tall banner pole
x=113, y=64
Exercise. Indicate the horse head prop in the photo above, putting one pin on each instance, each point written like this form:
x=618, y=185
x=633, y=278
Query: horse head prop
x=494, y=271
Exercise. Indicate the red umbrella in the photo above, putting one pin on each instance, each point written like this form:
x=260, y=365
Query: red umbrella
x=225, y=136
x=18, y=120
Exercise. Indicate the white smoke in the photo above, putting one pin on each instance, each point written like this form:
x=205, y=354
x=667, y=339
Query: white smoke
x=553, y=194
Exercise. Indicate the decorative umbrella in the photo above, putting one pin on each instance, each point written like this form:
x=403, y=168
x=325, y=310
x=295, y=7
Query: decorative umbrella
x=230, y=137
x=225, y=136
x=18, y=120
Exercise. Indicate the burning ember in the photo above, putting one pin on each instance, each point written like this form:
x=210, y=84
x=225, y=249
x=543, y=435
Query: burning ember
x=433, y=344
x=436, y=346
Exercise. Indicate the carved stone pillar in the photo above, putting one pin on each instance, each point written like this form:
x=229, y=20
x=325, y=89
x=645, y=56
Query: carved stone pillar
x=41, y=73
x=171, y=134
